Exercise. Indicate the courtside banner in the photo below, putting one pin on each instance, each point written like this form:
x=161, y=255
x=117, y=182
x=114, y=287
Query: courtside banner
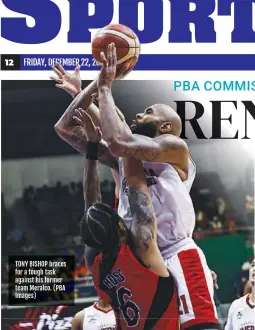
x=174, y=35
x=41, y=318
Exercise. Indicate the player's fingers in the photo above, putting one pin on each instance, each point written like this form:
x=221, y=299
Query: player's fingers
x=78, y=113
x=86, y=115
x=60, y=68
x=60, y=86
x=114, y=56
x=103, y=58
x=109, y=54
x=77, y=69
x=58, y=73
x=112, y=53
x=88, y=119
x=78, y=121
x=57, y=79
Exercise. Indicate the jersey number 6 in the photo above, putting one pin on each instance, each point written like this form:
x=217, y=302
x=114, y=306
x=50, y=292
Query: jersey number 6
x=128, y=306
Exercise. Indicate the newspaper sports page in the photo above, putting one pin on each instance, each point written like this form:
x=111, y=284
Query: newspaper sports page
x=90, y=89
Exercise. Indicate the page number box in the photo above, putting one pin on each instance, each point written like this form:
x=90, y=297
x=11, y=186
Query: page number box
x=10, y=62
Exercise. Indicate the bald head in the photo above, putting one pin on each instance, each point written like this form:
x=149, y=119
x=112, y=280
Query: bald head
x=166, y=114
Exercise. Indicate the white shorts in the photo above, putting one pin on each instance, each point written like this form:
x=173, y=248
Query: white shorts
x=98, y=319
x=195, y=288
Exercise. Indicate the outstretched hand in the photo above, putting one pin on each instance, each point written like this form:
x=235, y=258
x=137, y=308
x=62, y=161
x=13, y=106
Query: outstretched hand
x=70, y=82
x=108, y=71
x=92, y=132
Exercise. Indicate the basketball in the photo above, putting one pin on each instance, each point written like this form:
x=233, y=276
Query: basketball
x=127, y=47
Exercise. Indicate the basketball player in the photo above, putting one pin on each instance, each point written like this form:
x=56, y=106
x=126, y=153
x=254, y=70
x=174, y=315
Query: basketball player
x=99, y=316
x=166, y=184
x=115, y=252
x=154, y=139
x=241, y=314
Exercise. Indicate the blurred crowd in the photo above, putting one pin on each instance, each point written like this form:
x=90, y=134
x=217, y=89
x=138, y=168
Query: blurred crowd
x=58, y=210
x=214, y=218
x=54, y=213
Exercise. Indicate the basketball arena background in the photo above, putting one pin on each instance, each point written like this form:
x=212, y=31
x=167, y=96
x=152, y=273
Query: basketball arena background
x=42, y=199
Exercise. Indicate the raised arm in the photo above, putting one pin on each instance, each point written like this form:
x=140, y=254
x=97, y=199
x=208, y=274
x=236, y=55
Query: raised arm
x=72, y=84
x=117, y=134
x=66, y=127
x=91, y=184
x=144, y=224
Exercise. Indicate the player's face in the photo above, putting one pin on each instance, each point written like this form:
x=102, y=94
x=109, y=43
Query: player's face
x=146, y=123
x=147, y=116
x=252, y=273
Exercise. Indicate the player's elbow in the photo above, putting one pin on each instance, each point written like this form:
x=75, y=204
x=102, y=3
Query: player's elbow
x=58, y=129
x=116, y=147
x=62, y=133
x=120, y=145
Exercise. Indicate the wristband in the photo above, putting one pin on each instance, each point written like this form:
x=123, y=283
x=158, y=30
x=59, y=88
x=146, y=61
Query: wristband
x=92, y=150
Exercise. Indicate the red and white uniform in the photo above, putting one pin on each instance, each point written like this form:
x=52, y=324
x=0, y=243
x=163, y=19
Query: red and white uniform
x=176, y=221
x=140, y=295
x=241, y=315
x=98, y=319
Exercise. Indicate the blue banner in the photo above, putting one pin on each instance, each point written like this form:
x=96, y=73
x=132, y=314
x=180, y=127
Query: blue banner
x=146, y=62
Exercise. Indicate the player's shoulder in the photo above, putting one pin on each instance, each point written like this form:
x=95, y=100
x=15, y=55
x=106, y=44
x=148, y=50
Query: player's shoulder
x=173, y=141
x=238, y=302
x=127, y=254
x=78, y=320
x=79, y=315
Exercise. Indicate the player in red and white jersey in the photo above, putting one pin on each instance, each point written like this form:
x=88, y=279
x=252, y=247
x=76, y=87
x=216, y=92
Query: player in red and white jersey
x=241, y=314
x=154, y=138
x=168, y=169
x=95, y=318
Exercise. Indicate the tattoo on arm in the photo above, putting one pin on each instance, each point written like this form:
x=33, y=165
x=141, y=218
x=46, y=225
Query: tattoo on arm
x=146, y=153
x=165, y=148
x=143, y=217
x=91, y=184
x=77, y=139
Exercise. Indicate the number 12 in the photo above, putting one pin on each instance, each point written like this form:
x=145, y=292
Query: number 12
x=9, y=62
